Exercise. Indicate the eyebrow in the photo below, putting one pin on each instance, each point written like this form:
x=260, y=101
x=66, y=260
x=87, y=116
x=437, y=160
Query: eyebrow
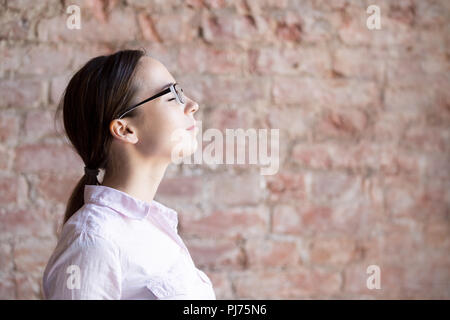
x=167, y=86
x=163, y=88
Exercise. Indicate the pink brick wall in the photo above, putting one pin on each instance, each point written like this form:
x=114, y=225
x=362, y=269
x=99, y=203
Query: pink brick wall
x=364, y=119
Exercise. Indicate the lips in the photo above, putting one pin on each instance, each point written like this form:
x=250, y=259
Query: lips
x=191, y=127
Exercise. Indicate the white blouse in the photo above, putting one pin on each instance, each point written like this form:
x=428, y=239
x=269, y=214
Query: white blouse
x=120, y=247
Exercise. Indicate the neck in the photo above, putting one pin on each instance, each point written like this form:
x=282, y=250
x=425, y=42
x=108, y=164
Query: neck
x=140, y=181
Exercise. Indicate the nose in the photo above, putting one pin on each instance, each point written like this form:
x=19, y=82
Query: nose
x=191, y=106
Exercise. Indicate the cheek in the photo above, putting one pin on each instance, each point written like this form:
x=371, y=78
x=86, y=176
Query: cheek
x=161, y=132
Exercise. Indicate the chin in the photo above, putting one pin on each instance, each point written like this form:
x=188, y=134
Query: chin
x=190, y=148
x=183, y=151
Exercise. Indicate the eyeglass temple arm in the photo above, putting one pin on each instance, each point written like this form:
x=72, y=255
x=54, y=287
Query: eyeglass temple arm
x=146, y=100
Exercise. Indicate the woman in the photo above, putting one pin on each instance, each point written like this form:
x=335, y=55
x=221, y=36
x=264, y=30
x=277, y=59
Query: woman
x=123, y=113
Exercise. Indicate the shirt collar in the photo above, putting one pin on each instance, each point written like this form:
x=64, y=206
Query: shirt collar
x=127, y=205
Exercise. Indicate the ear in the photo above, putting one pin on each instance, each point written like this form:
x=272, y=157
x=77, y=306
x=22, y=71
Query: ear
x=123, y=130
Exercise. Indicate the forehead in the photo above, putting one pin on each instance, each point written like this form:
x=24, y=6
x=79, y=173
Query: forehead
x=152, y=76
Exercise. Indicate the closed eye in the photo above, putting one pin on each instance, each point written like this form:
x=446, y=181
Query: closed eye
x=171, y=99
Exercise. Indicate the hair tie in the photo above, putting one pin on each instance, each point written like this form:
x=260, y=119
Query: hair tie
x=91, y=172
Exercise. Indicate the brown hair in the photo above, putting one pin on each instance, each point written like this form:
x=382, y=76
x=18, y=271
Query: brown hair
x=96, y=95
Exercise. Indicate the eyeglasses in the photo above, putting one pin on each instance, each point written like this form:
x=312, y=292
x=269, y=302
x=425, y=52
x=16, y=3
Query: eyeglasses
x=174, y=88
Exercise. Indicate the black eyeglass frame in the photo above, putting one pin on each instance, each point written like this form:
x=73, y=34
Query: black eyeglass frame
x=174, y=88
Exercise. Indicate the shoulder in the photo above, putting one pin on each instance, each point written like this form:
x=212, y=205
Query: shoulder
x=101, y=222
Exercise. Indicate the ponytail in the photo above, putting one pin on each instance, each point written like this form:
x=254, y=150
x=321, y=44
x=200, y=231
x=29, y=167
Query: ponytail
x=76, y=200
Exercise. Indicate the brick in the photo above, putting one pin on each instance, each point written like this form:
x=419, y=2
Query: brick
x=405, y=71
x=47, y=158
x=50, y=186
x=20, y=93
x=400, y=238
x=11, y=57
x=57, y=86
x=9, y=128
x=81, y=55
x=429, y=281
x=389, y=126
x=310, y=219
x=286, y=185
x=289, y=31
x=223, y=118
x=210, y=4
x=268, y=252
x=28, y=286
x=432, y=14
x=206, y=59
x=360, y=63
x=249, y=192
x=7, y=286
x=39, y=124
x=436, y=165
x=291, y=220
x=437, y=192
x=119, y=26
x=317, y=156
x=341, y=124
x=176, y=27
x=217, y=90
x=391, y=278
x=216, y=254
x=404, y=11
x=33, y=9
x=167, y=56
x=436, y=234
x=283, y=116
x=354, y=30
x=9, y=186
x=6, y=261
x=221, y=284
x=401, y=196
x=157, y=6
x=101, y=9
x=231, y=223
x=223, y=27
x=335, y=187
x=147, y=27
x=31, y=256
x=14, y=27
x=333, y=251
x=26, y=223
x=337, y=93
x=361, y=157
x=409, y=197
x=36, y=60
x=426, y=138
x=315, y=26
x=189, y=187
x=301, y=282
x=312, y=61
x=243, y=7
x=5, y=157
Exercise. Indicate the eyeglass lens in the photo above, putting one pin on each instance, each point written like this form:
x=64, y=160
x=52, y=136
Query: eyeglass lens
x=180, y=93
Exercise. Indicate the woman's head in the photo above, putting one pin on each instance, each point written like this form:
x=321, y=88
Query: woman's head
x=103, y=89
x=155, y=130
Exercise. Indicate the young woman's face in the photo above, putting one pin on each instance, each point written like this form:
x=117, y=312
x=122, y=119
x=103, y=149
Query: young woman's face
x=162, y=125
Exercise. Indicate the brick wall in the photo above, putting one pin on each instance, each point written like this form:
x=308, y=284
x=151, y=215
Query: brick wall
x=364, y=123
